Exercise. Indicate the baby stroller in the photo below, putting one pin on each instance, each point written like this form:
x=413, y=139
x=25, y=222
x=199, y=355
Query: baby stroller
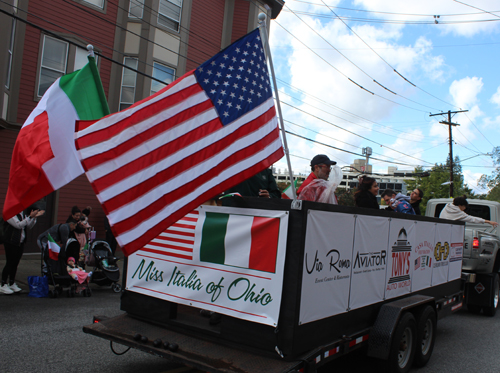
x=105, y=272
x=55, y=270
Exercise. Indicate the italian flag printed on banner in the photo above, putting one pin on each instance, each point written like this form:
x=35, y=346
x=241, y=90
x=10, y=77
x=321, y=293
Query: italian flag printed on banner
x=44, y=157
x=54, y=248
x=287, y=193
x=240, y=241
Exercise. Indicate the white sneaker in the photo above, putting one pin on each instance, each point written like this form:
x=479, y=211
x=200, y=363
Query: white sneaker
x=6, y=289
x=15, y=288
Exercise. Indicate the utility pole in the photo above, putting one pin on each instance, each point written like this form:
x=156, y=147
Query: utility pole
x=449, y=124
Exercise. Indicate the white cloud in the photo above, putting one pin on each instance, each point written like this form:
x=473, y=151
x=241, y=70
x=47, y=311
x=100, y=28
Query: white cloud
x=496, y=97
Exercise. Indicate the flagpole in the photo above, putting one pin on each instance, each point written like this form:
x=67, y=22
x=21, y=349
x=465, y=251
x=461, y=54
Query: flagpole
x=265, y=40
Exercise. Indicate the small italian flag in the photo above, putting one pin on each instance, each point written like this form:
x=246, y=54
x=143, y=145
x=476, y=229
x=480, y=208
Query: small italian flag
x=54, y=248
x=287, y=193
x=240, y=241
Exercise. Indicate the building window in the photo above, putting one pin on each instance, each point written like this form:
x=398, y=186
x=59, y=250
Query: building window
x=163, y=73
x=136, y=9
x=53, y=65
x=10, y=51
x=169, y=14
x=97, y=3
x=127, y=94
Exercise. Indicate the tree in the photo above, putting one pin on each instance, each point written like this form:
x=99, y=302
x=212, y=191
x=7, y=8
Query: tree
x=439, y=174
x=492, y=182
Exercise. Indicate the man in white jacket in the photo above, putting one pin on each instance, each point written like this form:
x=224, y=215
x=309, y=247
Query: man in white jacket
x=455, y=211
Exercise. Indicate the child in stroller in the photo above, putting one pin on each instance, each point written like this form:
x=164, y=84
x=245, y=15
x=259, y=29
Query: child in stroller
x=78, y=274
x=55, y=267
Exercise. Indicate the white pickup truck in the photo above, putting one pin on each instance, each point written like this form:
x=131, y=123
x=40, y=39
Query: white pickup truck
x=481, y=256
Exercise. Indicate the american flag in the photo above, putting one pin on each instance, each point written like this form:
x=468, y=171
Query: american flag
x=209, y=130
x=176, y=241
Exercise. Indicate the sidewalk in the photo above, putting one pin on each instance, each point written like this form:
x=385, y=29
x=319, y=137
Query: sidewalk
x=30, y=265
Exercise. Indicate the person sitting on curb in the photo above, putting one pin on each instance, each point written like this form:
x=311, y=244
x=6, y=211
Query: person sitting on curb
x=455, y=211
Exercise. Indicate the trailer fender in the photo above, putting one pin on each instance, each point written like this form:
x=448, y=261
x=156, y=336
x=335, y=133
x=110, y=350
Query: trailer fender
x=381, y=334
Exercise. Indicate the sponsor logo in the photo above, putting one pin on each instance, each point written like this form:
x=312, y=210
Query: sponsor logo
x=423, y=262
x=441, y=254
x=441, y=251
x=370, y=259
x=400, y=272
x=334, y=264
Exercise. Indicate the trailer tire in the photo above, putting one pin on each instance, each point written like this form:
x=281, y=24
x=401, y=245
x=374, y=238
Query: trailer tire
x=403, y=345
x=426, y=336
x=495, y=298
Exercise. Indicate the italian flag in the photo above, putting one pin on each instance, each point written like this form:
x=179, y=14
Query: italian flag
x=44, y=157
x=287, y=193
x=54, y=248
x=240, y=241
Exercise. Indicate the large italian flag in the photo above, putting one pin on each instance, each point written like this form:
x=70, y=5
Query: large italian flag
x=240, y=241
x=44, y=157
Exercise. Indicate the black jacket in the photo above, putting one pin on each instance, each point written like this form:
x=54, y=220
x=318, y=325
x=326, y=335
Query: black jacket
x=366, y=199
x=416, y=207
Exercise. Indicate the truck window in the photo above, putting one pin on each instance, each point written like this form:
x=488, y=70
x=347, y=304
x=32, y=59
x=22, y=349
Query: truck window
x=479, y=211
x=439, y=208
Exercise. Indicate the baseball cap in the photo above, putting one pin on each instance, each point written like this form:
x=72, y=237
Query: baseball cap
x=322, y=159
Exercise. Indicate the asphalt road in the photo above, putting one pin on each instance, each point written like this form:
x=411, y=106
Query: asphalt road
x=40, y=335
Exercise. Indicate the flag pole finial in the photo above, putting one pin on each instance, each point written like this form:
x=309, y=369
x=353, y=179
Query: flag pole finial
x=90, y=48
x=262, y=17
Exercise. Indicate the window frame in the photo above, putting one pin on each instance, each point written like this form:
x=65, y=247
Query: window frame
x=152, y=74
x=94, y=5
x=120, y=103
x=136, y=2
x=63, y=72
x=10, y=52
x=166, y=16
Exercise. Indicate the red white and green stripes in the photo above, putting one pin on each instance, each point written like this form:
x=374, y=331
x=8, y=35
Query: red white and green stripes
x=253, y=241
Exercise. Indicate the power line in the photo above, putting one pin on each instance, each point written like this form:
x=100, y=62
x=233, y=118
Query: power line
x=355, y=134
x=354, y=123
x=342, y=150
x=393, y=13
x=344, y=75
x=387, y=63
x=470, y=120
x=359, y=68
x=397, y=22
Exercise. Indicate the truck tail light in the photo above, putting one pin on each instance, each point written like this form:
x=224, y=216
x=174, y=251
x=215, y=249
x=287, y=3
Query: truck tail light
x=475, y=243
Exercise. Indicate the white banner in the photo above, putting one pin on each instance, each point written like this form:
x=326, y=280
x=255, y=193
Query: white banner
x=456, y=252
x=441, y=254
x=423, y=255
x=327, y=265
x=399, y=268
x=222, y=259
x=370, y=259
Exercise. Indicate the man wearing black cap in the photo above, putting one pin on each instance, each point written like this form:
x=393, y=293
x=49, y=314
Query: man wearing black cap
x=321, y=166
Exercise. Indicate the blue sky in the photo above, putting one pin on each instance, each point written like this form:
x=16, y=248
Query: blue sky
x=453, y=65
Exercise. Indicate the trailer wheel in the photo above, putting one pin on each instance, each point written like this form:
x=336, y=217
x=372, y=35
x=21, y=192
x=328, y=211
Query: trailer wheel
x=492, y=310
x=426, y=335
x=403, y=345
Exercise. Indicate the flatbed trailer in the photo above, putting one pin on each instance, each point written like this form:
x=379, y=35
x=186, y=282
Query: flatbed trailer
x=345, y=277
